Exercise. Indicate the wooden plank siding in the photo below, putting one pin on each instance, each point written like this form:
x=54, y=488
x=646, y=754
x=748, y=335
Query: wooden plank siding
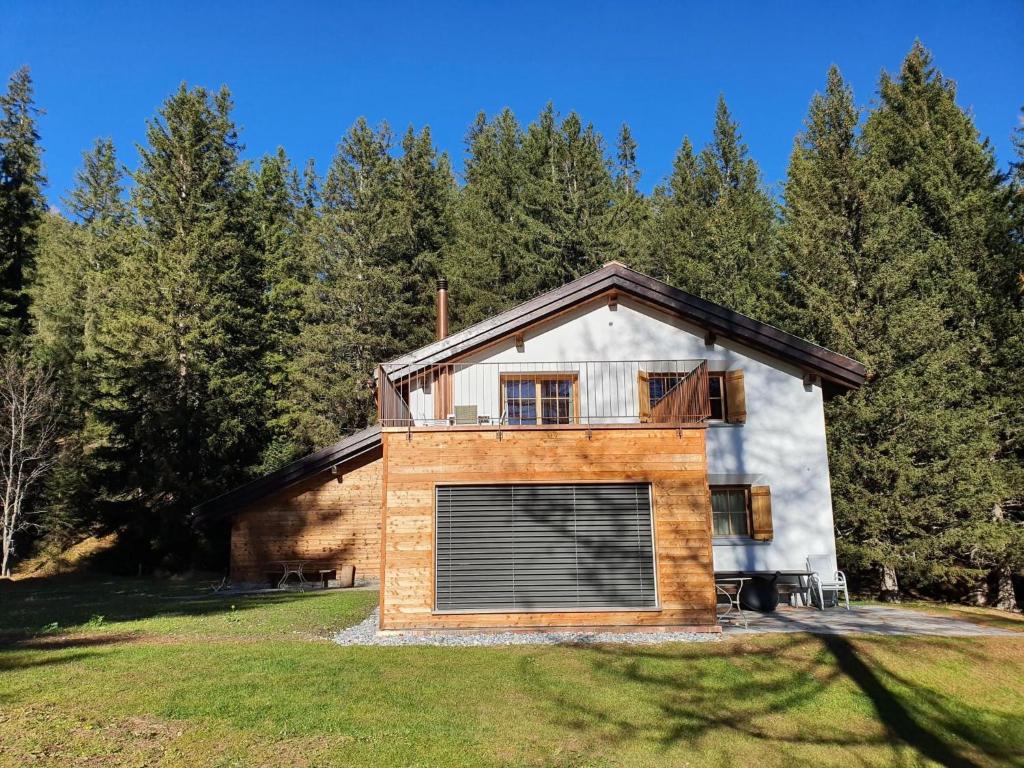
x=672, y=460
x=328, y=519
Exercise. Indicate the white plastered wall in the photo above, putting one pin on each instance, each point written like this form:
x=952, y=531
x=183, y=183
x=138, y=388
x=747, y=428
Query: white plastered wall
x=782, y=444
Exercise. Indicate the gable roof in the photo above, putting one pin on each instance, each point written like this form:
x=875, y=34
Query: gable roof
x=350, y=448
x=838, y=370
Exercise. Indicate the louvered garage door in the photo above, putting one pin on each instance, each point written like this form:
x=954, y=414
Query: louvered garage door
x=544, y=547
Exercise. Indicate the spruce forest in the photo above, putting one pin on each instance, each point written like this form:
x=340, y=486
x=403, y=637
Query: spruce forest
x=206, y=319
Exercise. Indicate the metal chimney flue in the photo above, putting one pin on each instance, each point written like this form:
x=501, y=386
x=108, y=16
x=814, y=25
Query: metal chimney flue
x=442, y=308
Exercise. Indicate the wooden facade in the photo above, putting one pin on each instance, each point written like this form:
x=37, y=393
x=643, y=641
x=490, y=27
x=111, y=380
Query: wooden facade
x=673, y=460
x=331, y=519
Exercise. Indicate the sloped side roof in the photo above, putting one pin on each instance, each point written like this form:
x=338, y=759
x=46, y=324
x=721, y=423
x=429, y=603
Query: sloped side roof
x=837, y=369
x=350, y=448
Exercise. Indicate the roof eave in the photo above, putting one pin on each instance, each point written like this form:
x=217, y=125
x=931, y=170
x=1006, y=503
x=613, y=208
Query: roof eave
x=346, y=450
x=831, y=366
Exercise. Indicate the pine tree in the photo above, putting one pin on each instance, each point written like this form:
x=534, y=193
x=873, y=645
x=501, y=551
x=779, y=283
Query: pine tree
x=427, y=188
x=21, y=200
x=358, y=311
x=572, y=188
x=77, y=255
x=567, y=196
x=677, y=224
x=912, y=452
x=58, y=310
x=714, y=228
x=75, y=263
x=536, y=211
x=58, y=294
x=181, y=365
x=1002, y=544
x=825, y=283
x=492, y=238
x=539, y=159
x=631, y=212
x=821, y=221
x=1007, y=280
x=280, y=210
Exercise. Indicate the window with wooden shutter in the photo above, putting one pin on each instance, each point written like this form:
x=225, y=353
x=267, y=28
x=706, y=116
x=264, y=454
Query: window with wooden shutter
x=739, y=511
x=735, y=398
x=730, y=510
x=761, y=513
x=716, y=396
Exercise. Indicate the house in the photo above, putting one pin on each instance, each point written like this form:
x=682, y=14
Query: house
x=592, y=457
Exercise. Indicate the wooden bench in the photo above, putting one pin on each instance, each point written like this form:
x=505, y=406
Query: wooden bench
x=787, y=590
x=323, y=575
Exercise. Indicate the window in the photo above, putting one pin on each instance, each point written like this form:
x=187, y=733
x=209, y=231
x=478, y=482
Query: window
x=544, y=547
x=521, y=401
x=716, y=394
x=659, y=384
x=540, y=399
x=730, y=510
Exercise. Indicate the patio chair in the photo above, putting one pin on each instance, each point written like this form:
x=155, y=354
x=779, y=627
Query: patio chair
x=825, y=578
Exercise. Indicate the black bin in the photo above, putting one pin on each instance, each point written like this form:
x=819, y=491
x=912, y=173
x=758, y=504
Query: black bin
x=760, y=594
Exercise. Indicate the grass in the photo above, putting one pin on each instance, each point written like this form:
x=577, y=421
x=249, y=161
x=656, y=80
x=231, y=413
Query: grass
x=171, y=609
x=165, y=678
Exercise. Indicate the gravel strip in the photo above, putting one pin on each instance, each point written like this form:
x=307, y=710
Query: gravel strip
x=365, y=633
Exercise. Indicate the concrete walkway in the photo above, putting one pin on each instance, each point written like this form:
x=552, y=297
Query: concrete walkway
x=864, y=619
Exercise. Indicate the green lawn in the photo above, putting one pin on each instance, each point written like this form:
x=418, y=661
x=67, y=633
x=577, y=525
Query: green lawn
x=166, y=679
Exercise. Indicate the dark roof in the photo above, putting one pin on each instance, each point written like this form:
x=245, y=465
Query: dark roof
x=833, y=367
x=350, y=448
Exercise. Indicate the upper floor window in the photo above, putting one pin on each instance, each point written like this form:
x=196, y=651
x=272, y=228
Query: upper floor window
x=716, y=395
x=540, y=398
x=659, y=385
x=726, y=397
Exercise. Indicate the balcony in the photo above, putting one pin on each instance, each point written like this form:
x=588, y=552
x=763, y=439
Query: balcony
x=545, y=394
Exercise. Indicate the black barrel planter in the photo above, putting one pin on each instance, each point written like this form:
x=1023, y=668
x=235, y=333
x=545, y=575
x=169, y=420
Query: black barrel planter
x=760, y=594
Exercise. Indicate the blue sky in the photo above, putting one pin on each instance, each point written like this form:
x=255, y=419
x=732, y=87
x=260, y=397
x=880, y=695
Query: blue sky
x=301, y=73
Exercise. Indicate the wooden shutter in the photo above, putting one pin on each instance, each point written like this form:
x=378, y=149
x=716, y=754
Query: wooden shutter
x=643, y=389
x=735, y=398
x=443, y=393
x=761, y=513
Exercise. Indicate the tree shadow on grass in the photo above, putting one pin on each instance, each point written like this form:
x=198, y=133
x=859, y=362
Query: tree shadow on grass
x=932, y=721
x=789, y=694
x=59, y=604
x=699, y=692
x=64, y=642
x=16, y=657
x=900, y=721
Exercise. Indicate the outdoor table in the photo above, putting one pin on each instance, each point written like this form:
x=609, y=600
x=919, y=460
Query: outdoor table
x=289, y=567
x=802, y=576
x=734, y=603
